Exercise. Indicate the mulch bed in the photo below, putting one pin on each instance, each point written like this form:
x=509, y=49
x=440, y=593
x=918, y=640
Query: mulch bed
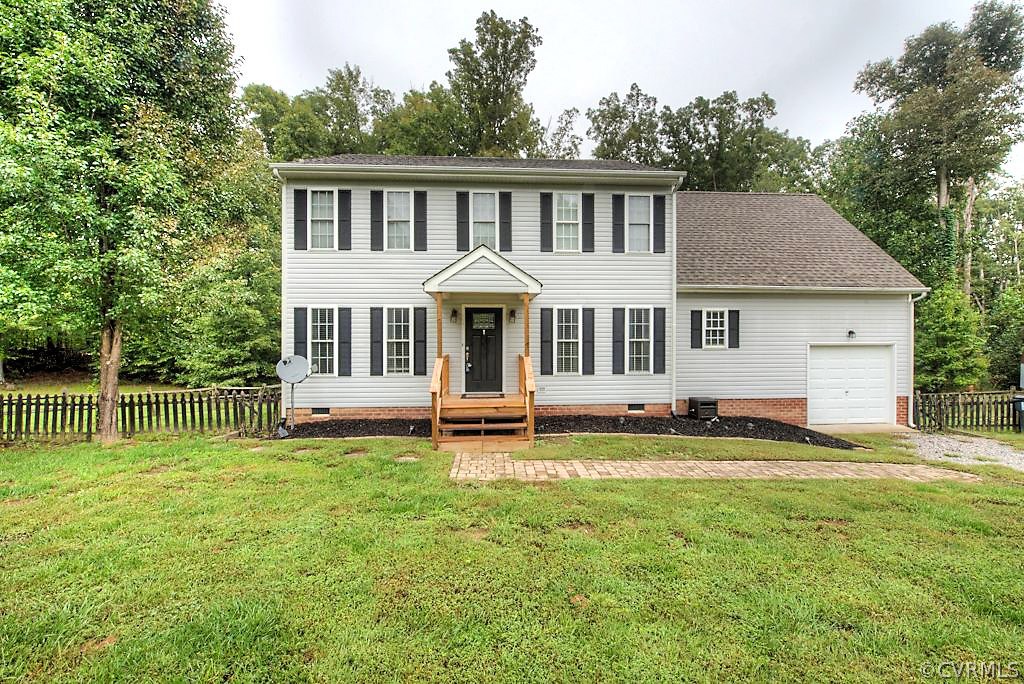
x=733, y=426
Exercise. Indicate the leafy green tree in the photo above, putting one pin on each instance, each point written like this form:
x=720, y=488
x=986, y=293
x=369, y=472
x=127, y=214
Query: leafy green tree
x=110, y=115
x=429, y=122
x=560, y=140
x=1006, y=337
x=953, y=100
x=626, y=127
x=487, y=79
x=301, y=134
x=267, y=107
x=950, y=345
x=348, y=104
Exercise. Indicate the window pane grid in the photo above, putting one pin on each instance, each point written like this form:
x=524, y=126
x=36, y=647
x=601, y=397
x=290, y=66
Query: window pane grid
x=485, y=219
x=640, y=224
x=639, y=340
x=568, y=346
x=321, y=219
x=321, y=336
x=567, y=226
x=714, y=328
x=398, y=218
x=398, y=341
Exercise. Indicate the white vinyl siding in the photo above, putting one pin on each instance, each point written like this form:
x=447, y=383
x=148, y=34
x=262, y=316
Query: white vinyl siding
x=321, y=341
x=361, y=279
x=777, y=331
x=638, y=347
x=398, y=338
x=638, y=217
x=321, y=219
x=398, y=219
x=567, y=340
x=715, y=329
x=567, y=222
x=485, y=220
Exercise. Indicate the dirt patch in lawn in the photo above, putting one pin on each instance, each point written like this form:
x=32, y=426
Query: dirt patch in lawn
x=156, y=470
x=98, y=644
x=407, y=457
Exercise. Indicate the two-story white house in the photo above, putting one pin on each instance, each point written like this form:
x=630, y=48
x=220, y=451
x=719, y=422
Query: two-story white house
x=480, y=292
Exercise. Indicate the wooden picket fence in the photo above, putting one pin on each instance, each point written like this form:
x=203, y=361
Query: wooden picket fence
x=966, y=411
x=248, y=410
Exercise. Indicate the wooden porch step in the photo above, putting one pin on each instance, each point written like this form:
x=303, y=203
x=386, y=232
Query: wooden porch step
x=482, y=438
x=484, y=402
x=478, y=444
x=517, y=425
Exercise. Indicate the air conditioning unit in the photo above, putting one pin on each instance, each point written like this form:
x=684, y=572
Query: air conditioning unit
x=702, y=408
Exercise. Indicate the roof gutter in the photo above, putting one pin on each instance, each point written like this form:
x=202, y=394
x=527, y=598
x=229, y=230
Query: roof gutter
x=288, y=169
x=768, y=289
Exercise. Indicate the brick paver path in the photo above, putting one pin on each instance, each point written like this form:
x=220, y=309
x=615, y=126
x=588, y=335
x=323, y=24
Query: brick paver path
x=469, y=467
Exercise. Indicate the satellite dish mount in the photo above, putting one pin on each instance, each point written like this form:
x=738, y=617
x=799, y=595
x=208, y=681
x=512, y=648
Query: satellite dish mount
x=293, y=370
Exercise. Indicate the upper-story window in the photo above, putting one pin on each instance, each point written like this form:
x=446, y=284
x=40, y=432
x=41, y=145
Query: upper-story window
x=485, y=220
x=567, y=222
x=398, y=220
x=638, y=236
x=321, y=219
x=714, y=328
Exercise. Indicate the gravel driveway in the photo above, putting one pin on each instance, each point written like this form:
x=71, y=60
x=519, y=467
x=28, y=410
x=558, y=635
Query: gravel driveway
x=963, y=449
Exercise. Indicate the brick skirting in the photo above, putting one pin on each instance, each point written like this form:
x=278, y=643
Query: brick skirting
x=788, y=410
x=602, y=410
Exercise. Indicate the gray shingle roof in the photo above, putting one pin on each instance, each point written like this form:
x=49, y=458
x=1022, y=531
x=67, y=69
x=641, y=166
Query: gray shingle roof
x=776, y=240
x=482, y=162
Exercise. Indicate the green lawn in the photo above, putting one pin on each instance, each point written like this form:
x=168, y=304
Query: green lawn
x=1014, y=439
x=328, y=560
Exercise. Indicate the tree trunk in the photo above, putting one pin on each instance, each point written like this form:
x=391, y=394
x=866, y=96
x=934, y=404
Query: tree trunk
x=110, y=366
x=972, y=196
x=3, y=379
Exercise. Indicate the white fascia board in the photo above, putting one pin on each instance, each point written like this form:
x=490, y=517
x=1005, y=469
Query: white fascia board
x=434, y=283
x=367, y=171
x=768, y=289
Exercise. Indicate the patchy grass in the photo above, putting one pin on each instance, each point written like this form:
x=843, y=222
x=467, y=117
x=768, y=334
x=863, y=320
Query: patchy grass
x=878, y=448
x=73, y=382
x=318, y=560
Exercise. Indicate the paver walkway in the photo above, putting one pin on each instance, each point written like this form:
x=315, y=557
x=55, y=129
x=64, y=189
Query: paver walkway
x=469, y=467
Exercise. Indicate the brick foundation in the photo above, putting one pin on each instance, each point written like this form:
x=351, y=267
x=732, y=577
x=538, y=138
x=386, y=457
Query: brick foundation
x=305, y=415
x=902, y=410
x=786, y=410
x=602, y=410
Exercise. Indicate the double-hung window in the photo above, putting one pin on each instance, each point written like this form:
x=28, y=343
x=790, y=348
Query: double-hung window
x=715, y=328
x=321, y=219
x=321, y=337
x=568, y=341
x=639, y=349
x=485, y=219
x=399, y=335
x=638, y=236
x=397, y=208
x=567, y=222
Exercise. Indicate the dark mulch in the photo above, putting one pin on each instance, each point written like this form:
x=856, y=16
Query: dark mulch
x=752, y=428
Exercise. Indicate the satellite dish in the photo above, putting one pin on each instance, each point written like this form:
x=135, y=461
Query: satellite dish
x=293, y=369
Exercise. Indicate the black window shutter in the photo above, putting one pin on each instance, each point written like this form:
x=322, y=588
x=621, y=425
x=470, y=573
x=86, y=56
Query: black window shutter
x=618, y=341
x=344, y=219
x=377, y=220
x=419, y=340
x=734, y=329
x=344, y=341
x=588, y=341
x=299, y=338
x=546, y=230
x=545, y=342
x=659, y=223
x=659, y=340
x=376, y=341
x=420, y=220
x=462, y=221
x=618, y=223
x=505, y=221
x=299, y=215
x=696, y=329
x=588, y=222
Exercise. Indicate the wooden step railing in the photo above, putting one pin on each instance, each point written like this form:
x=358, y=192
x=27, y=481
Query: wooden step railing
x=528, y=389
x=438, y=391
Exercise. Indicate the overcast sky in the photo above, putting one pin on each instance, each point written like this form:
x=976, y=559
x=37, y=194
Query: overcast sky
x=804, y=53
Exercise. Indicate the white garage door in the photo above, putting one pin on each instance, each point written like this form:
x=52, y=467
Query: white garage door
x=850, y=384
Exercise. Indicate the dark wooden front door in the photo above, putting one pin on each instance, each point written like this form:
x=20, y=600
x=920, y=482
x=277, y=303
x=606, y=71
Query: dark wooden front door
x=483, y=350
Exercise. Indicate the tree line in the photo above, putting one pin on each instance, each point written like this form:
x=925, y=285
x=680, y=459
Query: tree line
x=139, y=222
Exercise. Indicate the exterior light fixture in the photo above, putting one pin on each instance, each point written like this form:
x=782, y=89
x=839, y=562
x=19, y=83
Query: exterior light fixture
x=851, y=334
x=512, y=316
x=455, y=316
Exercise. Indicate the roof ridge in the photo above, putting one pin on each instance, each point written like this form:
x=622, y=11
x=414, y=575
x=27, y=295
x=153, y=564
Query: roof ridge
x=781, y=193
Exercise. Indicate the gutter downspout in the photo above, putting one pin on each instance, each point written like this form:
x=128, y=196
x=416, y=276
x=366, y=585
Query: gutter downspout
x=675, y=296
x=910, y=399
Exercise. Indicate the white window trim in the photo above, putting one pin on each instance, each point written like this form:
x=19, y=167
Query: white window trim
x=412, y=220
x=309, y=218
x=334, y=340
x=650, y=224
x=555, y=222
x=497, y=218
x=411, y=341
x=650, y=341
x=704, y=329
x=579, y=340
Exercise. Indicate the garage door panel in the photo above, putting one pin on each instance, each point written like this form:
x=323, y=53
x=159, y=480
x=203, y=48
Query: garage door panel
x=849, y=384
